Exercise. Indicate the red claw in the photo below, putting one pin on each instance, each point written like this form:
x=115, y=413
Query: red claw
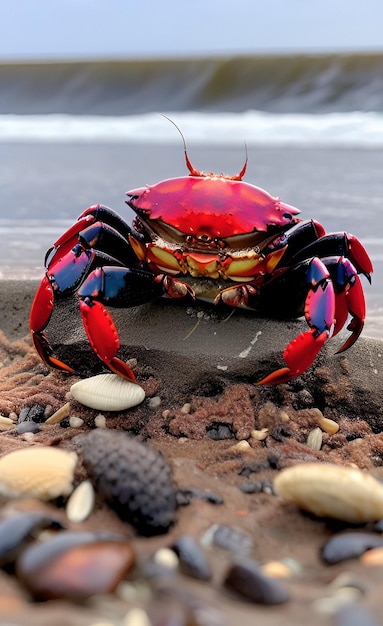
x=357, y=307
x=40, y=315
x=299, y=355
x=103, y=337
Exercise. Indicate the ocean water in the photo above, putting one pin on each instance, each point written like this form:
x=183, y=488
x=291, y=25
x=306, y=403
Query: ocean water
x=74, y=134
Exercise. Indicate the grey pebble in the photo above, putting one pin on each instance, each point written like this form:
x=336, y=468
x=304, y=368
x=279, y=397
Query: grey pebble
x=19, y=529
x=192, y=559
x=349, y=545
x=185, y=496
x=354, y=615
x=35, y=413
x=232, y=539
x=28, y=426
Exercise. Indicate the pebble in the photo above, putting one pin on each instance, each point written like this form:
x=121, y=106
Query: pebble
x=328, y=490
x=136, y=617
x=167, y=558
x=154, y=402
x=349, y=545
x=230, y=539
x=192, y=559
x=27, y=427
x=373, y=557
x=241, y=446
x=75, y=422
x=186, y=408
x=328, y=426
x=75, y=565
x=352, y=614
x=19, y=529
x=260, y=435
x=133, y=478
x=40, y=471
x=185, y=496
x=81, y=502
x=107, y=392
x=277, y=569
x=100, y=421
x=36, y=413
x=247, y=579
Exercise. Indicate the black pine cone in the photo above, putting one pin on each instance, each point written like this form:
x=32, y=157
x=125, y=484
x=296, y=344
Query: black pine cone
x=133, y=477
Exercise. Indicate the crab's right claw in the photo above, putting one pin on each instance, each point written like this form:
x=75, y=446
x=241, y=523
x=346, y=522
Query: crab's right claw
x=40, y=315
x=320, y=316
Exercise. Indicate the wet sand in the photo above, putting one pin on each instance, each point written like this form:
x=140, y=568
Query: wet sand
x=196, y=357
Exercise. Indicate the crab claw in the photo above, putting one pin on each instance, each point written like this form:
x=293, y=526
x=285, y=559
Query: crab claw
x=319, y=312
x=103, y=336
x=299, y=355
x=357, y=308
x=40, y=315
x=173, y=287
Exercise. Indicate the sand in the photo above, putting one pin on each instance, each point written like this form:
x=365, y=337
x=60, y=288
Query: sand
x=200, y=357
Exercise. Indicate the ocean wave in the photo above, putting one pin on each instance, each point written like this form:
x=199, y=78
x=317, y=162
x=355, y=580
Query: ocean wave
x=302, y=83
x=252, y=127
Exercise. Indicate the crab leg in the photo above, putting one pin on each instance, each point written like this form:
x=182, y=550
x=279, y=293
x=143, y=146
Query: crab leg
x=319, y=312
x=119, y=287
x=349, y=299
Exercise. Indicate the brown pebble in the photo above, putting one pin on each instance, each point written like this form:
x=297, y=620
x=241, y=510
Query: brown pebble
x=74, y=566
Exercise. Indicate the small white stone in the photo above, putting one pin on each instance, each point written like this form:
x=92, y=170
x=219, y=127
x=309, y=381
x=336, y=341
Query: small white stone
x=75, y=422
x=100, y=421
x=241, y=445
x=167, y=558
x=154, y=402
x=136, y=617
x=260, y=435
x=186, y=408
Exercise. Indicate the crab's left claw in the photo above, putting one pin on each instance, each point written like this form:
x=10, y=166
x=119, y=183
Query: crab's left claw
x=40, y=315
x=319, y=312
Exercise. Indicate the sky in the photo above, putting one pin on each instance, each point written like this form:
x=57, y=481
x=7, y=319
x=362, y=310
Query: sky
x=86, y=29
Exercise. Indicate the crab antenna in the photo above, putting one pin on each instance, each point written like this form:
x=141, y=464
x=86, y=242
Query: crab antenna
x=193, y=172
x=243, y=170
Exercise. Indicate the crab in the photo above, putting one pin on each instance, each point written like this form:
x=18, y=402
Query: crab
x=212, y=237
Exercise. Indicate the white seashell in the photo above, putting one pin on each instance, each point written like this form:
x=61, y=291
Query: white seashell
x=59, y=415
x=314, y=439
x=81, y=502
x=329, y=490
x=107, y=392
x=40, y=471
